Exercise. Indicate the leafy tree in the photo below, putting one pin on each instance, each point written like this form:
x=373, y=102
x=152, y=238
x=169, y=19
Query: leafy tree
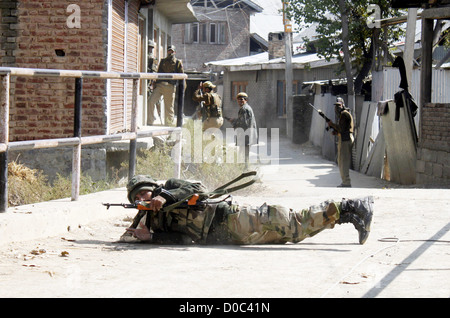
x=363, y=41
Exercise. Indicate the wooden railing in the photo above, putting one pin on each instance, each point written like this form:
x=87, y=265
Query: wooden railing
x=77, y=140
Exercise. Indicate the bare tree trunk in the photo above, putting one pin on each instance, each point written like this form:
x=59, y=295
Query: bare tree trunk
x=346, y=50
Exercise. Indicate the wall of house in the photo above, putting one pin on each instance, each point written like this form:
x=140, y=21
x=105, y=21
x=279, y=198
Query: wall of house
x=163, y=35
x=433, y=151
x=237, y=35
x=262, y=91
x=48, y=36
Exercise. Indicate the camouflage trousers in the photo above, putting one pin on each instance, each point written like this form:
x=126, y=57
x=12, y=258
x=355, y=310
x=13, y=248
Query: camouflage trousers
x=276, y=224
x=212, y=122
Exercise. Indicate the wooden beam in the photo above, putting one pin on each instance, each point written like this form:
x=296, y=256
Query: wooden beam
x=427, y=51
x=436, y=13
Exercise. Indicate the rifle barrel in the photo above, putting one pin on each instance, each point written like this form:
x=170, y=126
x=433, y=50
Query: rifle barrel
x=314, y=107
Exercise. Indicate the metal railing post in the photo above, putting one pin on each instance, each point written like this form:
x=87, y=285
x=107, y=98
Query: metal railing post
x=4, y=136
x=180, y=91
x=133, y=142
x=76, y=157
x=178, y=144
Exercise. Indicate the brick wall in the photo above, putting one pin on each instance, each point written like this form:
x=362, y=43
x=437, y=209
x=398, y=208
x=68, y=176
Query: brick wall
x=8, y=33
x=42, y=107
x=277, y=45
x=433, y=153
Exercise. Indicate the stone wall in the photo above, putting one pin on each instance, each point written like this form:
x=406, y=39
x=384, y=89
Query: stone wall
x=433, y=152
x=100, y=161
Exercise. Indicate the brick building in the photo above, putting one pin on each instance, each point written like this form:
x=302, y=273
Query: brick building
x=94, y=35
x=222, y=32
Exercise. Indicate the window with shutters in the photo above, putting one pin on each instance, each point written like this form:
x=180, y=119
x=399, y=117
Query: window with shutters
x=212, y=33
x=195, y=33
x=124, y=58
x=117, y=64
x=187, y=33
x=191, y=33
x=281, y=95
x=238, y=87
x=221, y=34
x=205, y=32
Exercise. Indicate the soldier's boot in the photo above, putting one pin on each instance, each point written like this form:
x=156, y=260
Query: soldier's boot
x=363, y=208
x=357, y=223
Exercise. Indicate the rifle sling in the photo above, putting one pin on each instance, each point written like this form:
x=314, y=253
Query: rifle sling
x=222, y=190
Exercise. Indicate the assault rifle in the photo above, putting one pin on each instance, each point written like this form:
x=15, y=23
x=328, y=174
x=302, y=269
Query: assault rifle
x=323, y=115
x=136, y=205
x=191, y=201
x=143, y=205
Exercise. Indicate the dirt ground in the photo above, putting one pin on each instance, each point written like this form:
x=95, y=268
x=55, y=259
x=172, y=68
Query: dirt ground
x=406, y=255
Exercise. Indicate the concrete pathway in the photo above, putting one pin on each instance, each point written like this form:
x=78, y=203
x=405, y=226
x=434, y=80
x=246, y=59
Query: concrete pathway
x=70, y=249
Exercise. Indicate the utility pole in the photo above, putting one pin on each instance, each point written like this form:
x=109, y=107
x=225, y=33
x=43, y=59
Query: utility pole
x=347, y=58
x=289, y=74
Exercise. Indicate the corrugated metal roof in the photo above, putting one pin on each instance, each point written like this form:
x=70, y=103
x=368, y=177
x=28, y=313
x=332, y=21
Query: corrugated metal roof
x=440, y=83
x=261, y=61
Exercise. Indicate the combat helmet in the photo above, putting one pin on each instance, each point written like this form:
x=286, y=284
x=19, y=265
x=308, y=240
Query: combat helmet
x=138, y=183
x=340, y=100
x=208, y=84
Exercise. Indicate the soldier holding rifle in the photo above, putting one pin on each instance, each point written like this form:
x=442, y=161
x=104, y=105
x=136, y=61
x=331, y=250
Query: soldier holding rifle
x=343, y=129
x=184, y=212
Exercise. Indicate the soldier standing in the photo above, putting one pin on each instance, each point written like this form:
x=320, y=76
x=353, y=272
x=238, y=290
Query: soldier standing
x=247, y=122
x=166, y=88
x=344, y=131
x=210, y=105
x=152, y=67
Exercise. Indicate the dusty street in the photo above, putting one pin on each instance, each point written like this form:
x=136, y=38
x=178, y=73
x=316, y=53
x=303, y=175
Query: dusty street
x=406, y=255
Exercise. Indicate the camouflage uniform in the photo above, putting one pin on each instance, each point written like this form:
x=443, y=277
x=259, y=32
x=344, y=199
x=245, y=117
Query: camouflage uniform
x=227, y=223
x=211, y=107
x=271, y=224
